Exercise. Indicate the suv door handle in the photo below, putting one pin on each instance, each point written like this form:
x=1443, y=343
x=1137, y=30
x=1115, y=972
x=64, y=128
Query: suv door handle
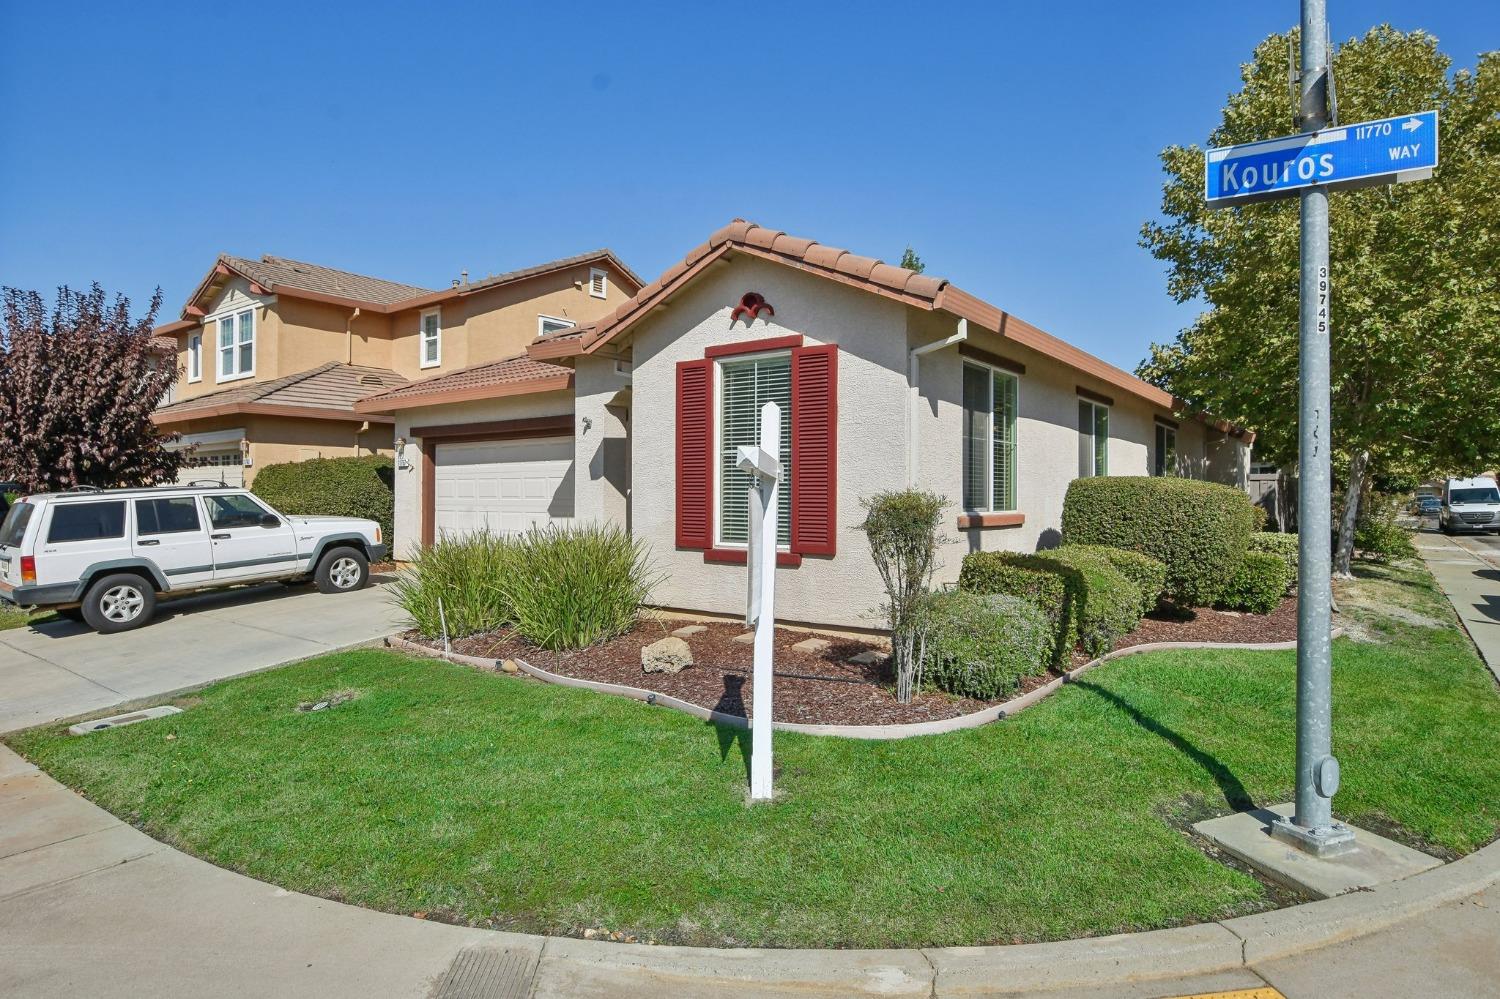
x=220, y=537
x=144, y=541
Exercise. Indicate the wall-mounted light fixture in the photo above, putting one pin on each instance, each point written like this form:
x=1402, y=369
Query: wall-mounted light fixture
x=401, y=461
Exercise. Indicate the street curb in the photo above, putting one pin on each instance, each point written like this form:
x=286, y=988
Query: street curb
x=976, y=719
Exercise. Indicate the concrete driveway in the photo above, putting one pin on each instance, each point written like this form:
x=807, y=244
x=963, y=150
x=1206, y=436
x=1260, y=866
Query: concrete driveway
x=63, y=669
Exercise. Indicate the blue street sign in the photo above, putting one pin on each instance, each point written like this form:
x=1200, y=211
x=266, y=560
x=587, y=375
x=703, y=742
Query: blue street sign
x=1391, y=150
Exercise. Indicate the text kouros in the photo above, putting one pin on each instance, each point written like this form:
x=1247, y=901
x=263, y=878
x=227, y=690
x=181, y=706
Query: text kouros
x=1239, y=177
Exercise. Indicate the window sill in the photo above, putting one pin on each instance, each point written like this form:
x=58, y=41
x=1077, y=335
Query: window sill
x=739, y=556
x=221, y=379
x=430, y=364
x=970, y=521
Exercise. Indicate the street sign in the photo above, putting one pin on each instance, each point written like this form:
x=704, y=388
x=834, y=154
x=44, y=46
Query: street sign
x=1391, y=150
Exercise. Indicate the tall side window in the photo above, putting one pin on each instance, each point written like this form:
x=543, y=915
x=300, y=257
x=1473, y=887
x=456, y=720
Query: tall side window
x=195, y=358
x=432, y=338
x=1093, y=439
x=1166, y=450
x=598, y=283
x=745, y=385
x=989, y=438
x=237, y=345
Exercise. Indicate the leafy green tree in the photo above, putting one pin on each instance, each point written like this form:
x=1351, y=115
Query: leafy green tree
x=1415, y=307
x=911, y=261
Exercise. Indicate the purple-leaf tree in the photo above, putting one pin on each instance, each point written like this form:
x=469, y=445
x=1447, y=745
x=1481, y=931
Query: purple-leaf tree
x=77, y=387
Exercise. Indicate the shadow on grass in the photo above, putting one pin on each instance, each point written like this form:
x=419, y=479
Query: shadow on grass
x=732, y=702
x=1234, y=792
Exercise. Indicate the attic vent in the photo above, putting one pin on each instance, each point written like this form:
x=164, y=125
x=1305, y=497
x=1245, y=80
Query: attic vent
x=370, y=380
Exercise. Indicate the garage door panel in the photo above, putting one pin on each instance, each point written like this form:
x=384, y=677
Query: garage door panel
x=502, y=486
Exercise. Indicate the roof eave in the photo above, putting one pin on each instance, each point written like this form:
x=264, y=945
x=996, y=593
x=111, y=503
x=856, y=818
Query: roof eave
x=382, y=404
x=264, y=409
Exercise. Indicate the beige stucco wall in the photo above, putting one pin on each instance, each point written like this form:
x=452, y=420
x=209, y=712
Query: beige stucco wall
x=276, y=439
x=408, y=526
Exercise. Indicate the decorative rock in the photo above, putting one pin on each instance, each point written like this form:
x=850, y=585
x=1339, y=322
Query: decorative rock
x=689, y=630
x=813, y=646
x=748, y=638
x=868, y=658
x=509, y=666
x=667, y=655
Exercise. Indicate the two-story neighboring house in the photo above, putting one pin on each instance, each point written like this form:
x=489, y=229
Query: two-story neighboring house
x=273, y=353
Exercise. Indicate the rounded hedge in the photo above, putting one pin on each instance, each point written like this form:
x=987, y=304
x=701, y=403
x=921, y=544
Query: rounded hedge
x=1148, y=574
x=1257, y=584
x=982, y=645
x=1283, y=546
x=1111, y=603
x=1198, y=530
x=333, y=487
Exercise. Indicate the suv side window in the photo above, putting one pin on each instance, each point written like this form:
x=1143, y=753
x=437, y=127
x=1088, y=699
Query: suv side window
x=234, y=510
x=87, y=522
x=176, y=515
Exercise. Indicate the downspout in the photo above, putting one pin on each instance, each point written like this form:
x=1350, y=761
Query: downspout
x=914, y=394
x=349, y=336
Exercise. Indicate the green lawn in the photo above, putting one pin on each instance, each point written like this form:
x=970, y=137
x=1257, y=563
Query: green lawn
x=500, y=802
x=15, y=617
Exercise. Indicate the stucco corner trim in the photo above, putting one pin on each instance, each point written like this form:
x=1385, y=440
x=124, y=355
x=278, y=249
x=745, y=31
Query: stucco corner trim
x=970, y=521
x=739, y=556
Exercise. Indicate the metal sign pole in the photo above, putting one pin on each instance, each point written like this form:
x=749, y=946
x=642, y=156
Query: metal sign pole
x=1312, y=827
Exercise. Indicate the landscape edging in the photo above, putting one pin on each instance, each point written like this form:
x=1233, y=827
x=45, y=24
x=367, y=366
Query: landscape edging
x=907, y=730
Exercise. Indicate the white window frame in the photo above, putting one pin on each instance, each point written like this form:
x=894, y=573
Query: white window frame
x=437, y=337
x=195, y=357
x=717, y=427
x=1164, y=431
x=989, y=451
x=1094, y=451
x=543, y=320
x=237, y=315
x=603, y=276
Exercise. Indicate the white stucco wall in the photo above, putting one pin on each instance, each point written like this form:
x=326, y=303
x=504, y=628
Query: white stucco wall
x=601, y=440
x=409, y=479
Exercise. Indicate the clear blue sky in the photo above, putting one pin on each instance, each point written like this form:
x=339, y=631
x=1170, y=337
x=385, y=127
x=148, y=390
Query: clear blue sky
x=412, y=141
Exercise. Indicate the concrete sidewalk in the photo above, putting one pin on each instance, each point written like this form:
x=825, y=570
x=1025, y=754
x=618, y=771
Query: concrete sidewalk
x=1467, y=570
x=90, y=906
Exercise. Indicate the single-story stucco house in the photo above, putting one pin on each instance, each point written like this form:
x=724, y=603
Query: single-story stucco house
x=890, y=379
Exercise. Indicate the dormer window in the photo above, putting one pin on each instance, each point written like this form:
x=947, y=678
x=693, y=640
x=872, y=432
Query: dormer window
x=432, y=338
x=236, y=342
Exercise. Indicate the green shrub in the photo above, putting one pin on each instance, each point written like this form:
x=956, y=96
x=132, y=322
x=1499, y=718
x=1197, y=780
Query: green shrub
x=981, y=645
x=1085, y=598
x=461, y=570
x=571, y=586
x=1257, y=584
x=1283, y=546
x=902, y=527
x=1148, y=574
x=332, y=487
x=1199, y=530
x=1048, y=585
x=1377, y=535
x=1111, y=604
x=1259, y=517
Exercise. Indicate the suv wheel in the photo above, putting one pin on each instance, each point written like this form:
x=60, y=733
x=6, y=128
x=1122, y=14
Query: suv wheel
x=342, y=570
x=119, y=603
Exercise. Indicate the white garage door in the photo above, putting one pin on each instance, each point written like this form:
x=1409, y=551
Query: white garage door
x=227, y=466
x=506, y=486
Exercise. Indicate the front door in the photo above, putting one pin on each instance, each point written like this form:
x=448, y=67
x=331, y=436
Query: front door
x=170, y=532
x=248, y=539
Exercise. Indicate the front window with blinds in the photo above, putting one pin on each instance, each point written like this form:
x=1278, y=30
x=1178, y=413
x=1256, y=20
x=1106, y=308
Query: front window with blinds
x=989, y=445
x=1093, y=439
x=745, y=385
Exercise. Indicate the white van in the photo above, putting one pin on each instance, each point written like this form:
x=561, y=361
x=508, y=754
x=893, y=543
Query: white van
x=1470, y=505
x=104, y=556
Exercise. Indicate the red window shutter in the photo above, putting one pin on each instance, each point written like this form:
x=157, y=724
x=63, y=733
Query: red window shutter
x=695, y=390
x=815, y=410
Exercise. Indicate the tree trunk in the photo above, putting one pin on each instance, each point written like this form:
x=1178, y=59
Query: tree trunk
x=1343, y=558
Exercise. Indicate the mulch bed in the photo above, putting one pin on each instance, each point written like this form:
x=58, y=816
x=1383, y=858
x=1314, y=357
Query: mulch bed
x=824, y=688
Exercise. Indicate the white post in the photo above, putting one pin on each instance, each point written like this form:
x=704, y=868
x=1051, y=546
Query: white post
x=764, y=464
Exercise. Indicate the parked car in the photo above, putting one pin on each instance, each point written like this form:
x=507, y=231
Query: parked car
x=1427, y=505
x=105, y=556
x=1470, y=505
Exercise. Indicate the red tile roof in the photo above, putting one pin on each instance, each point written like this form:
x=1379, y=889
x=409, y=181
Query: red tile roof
x=519, y=375
x=328, y=391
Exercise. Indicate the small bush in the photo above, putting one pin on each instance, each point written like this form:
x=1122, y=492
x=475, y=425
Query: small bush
x=1048, y=585
x=981, y=645
x=571, y=586
x=902, y=527
x=1283, y=546
x=1260, y=517
x=1199, y=530
x=1257, y=585
x=1148, y=574
x=1111, y=604
x=332, y=487
x=461, y=571
x=1379, y=538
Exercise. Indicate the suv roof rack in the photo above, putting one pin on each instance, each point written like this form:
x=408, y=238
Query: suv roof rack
x=83, y=489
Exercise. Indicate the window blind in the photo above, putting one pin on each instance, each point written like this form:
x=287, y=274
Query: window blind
x=746, y=386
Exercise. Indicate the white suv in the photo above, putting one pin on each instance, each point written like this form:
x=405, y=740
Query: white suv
x=104, y=556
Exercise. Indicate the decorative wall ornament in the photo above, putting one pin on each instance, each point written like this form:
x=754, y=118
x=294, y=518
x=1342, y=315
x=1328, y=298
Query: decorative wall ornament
x=752, y=305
